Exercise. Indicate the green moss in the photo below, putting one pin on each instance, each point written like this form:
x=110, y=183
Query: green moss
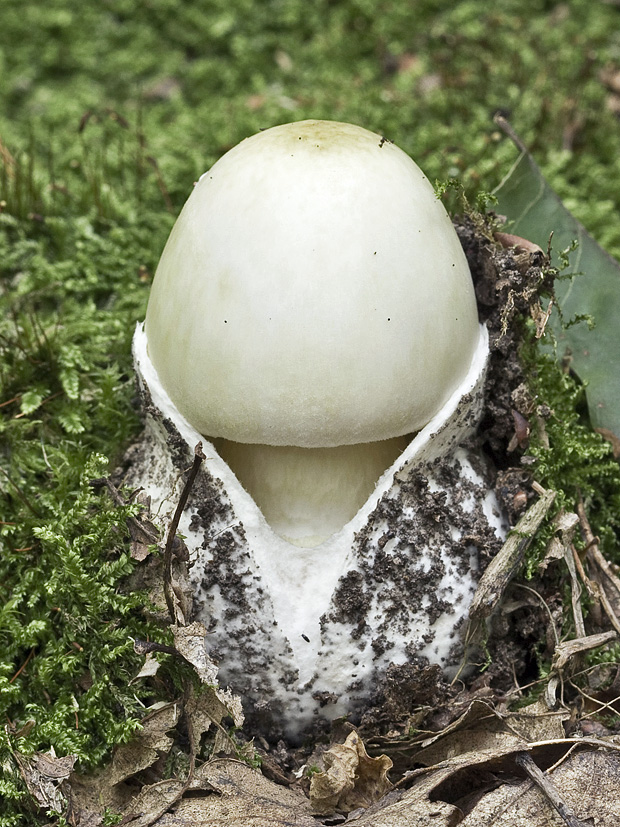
x=70, y=293
x=569, y=456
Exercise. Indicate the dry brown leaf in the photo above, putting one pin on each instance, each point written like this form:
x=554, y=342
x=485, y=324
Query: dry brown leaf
x=482, y=730
x=454, y=793
x=588, y=783
x=485, y=740
x=150, y=667
x=351, y=779
x=142, y=751
x=241, y=797
x=605, y=432
x=228, y=793
x=413, y=808
x=43, y=774
x=537, y=722
x=209, y=707
x=480, y=716
x=92, y=793
x=190, y=643
x=147, y=806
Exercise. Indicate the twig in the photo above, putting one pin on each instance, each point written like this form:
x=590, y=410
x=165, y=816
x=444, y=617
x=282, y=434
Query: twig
x=41, y=403
x=21, y=495
x=590, y=587
x=604, y=585
x=569, y=648
x=549, y=790
x=172, y=531
x=23, y=666
x=506, y=127
x=145, y=647
x=575, y=590
x=592, y=545
x=10, y=401
x=505, y=565
x=598, y=706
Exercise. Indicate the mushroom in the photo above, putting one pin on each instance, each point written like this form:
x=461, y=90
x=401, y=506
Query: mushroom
x=312, y=309
x=313, y=317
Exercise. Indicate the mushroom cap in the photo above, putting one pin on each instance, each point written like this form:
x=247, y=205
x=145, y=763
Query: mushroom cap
x=313, y=292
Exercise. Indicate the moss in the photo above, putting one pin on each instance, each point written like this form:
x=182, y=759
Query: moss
x=569, y=456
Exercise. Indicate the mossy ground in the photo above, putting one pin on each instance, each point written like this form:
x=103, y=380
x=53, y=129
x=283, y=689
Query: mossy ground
x=108, y=113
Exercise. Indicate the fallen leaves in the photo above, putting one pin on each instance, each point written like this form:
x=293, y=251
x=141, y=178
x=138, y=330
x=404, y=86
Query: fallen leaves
x=237, y=796
x=490, y=768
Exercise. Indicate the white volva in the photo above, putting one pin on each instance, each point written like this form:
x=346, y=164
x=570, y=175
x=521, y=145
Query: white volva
x=311, y=313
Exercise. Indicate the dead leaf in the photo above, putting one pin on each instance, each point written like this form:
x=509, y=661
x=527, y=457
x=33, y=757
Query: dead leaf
x=588, y=783
x=414, y=807
x=149, y=668
x=43, y=775
x=521, y=245
x=480, y=729
x=147, y=806
x=210, y=707
x=537, y=722
x=609, y=435
x=190, y=643
x=143, y=532
x=351, y=779
x=218, y=703
x=237, y=796
x=456, y=789
x=105, y=788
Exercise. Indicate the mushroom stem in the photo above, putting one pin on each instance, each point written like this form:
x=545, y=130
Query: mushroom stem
x=308, y=494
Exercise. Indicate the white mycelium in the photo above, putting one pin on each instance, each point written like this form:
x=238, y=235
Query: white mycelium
x=311, y=312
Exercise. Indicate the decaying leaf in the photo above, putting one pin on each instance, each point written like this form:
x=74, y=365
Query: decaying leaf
x=43, y=774
x=351, y=778
x=210, y=707
x=190, y=643
x=234, y=796
x=537, y=722
x=213, y=705
x=476, y=779
x=149, y=668
x=588, y=784
x=483, y=729
x=104, y=788
x=145, y=749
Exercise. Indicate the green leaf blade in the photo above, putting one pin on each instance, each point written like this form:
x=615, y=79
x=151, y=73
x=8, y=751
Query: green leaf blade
x=535, y=211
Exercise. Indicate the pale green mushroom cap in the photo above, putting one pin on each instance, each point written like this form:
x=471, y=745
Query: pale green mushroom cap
x=313, y=293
